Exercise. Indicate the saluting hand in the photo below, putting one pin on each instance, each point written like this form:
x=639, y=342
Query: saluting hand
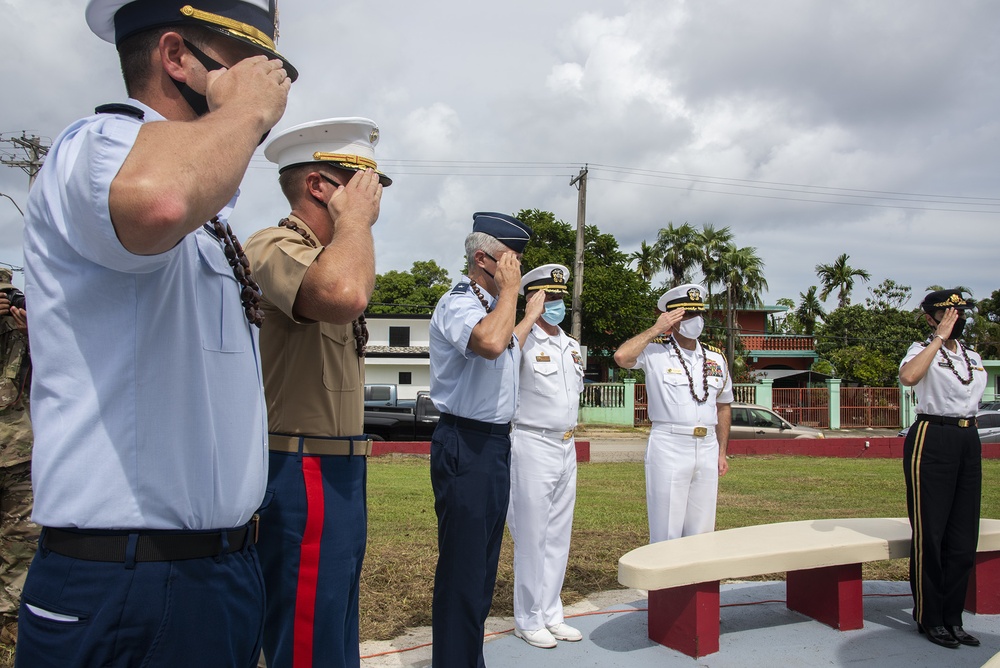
x=359, y=201
x=535, y=306
x=255, y=85
x=947, y=323
x=508, y=276
x=667, y=320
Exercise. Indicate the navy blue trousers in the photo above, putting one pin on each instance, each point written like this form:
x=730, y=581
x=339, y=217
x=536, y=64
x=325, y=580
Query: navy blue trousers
x=942, y=465
x=313, y=529
x=195, y=612
x=470, y=474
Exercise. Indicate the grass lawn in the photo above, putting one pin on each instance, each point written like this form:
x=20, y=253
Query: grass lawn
x=610, y=520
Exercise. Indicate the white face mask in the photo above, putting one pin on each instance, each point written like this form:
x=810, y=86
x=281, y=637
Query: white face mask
x=691, y=328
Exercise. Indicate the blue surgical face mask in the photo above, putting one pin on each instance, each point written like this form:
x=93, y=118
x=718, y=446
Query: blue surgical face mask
x=554, y=312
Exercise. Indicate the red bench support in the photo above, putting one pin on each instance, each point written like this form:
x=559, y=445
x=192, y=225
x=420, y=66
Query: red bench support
x=983, y=596
x=831, y=595
x=686, y=618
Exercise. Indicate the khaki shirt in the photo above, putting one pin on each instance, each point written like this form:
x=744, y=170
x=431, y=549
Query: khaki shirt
x=313, y=377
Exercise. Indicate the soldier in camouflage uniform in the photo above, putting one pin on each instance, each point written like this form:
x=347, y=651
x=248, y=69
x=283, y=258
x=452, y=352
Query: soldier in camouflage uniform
x=18, y=534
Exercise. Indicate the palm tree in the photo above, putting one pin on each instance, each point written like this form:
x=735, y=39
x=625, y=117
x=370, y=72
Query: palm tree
x=713, y=241
x=680, y=250
x=840, y=276
x=645, y=261
x=810, y=310
x=742, y=273
x=960, y=288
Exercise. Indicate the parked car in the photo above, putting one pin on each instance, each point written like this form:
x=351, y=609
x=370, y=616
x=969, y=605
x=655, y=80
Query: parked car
x=990, y=406
x=756, y=422
x=988, y=423
x=401, y=424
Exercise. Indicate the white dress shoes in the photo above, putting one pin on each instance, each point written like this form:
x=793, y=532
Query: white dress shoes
x=563, y=631
x=540, y=638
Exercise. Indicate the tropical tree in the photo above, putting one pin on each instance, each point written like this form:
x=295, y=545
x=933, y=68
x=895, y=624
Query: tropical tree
x=680, y=251
x=713, y=242
x=866, y=345
x=414, y=291
x=646, y=263
x=810, y=310
x=616, y=303
x=840, y=276
x=888, y=294
x=742, y=272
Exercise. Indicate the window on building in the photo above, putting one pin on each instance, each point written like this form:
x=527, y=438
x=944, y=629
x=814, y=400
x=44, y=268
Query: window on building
x=399, y=337
x=405, y=377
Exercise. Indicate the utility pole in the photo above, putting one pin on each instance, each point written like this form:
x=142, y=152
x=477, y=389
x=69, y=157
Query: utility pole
x=33, y=149
x=580, y=181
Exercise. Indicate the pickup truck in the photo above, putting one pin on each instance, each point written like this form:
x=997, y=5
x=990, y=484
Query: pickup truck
x=403, y=423
x=384, y=396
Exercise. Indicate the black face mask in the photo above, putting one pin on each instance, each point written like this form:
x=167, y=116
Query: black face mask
x=195, y=100
x=956, y=331
x=484, y=268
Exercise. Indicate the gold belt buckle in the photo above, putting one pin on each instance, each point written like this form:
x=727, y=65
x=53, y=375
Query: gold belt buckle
x=700, y=432
x=964, y=422
x=568, y=434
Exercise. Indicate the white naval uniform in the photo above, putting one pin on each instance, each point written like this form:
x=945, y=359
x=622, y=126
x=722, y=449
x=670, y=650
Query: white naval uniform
x=543, y=475
x=682, y=470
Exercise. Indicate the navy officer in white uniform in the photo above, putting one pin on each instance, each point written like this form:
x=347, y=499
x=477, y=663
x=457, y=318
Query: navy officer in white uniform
x=150, y=456
x=474, y=376
x=690, y=391
x=543, y=462
x=942, y=466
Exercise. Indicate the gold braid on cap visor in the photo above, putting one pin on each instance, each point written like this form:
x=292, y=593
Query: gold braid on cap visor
x=954, y=300
x=693, y=306
x=238, y=28
x=345, y=158
x=559, y=287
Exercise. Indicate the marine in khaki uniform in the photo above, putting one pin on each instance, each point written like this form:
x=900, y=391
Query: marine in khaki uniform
x=316, y=270
x=18, y=534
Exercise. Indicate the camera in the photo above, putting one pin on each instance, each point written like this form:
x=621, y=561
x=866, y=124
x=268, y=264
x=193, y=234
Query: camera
x=15, y=297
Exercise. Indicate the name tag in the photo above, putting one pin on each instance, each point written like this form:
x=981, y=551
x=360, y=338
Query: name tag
x=674, y=371
x=542, y=358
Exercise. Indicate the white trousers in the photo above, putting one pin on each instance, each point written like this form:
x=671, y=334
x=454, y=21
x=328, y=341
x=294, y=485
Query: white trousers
x=540, y=519
x=682, y=484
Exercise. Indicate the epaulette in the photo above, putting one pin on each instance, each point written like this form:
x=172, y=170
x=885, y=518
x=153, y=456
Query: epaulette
x=662, y=338
x=713, y=349
x=460, y=288
x=121, y=109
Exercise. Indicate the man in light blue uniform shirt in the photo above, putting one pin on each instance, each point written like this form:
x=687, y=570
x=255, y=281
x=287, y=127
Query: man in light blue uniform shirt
x=148, y=404
x=474, y=376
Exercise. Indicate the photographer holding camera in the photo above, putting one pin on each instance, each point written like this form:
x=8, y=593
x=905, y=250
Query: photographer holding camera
x=18, y=534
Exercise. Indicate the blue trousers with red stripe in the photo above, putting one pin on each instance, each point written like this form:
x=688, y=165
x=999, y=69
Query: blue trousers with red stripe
x=313, y=528
x=470, y=474
x=942, y=465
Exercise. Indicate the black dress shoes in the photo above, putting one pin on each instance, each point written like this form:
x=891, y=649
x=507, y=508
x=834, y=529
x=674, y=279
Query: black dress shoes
x=939, y=635
x=961, y=636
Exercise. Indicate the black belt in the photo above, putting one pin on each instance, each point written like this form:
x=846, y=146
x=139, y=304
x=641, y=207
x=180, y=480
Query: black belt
x=466, y=423
x=943, y=419
x=100, y=545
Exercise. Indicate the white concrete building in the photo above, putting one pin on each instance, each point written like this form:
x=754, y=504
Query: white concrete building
x=398, y=352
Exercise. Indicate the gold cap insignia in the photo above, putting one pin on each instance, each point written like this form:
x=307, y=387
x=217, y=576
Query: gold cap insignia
x=558, y=276
x=694, y=294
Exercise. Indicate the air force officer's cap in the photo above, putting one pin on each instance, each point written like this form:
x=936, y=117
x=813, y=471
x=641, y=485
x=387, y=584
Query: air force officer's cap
x=253, y=22
x=508, y=230
x=345, y=143
x=690, y=297
x=548, y=277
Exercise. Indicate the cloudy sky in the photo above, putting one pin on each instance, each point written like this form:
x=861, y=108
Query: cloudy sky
x=810, y=127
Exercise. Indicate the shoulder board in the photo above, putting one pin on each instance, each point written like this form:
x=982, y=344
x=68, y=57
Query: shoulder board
x=713, y=349
x=660, y=339
x=121, y=109
x=460, y=288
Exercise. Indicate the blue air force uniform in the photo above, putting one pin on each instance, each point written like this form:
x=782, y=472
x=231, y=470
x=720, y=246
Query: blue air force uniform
x=470, y=460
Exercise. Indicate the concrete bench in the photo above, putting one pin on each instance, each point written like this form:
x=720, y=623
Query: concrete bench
x=822, y=559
